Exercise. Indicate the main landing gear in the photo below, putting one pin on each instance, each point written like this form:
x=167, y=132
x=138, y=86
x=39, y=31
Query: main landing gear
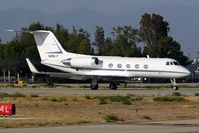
x=94, y=85
x=113, y=85
x=173, y=84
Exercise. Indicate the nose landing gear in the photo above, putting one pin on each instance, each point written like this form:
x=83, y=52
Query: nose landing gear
x=173, y=84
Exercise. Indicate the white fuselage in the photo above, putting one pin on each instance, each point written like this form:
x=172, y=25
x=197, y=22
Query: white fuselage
x=124, y=67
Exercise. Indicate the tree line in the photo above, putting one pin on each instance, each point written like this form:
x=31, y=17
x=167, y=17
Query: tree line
x=151, y=38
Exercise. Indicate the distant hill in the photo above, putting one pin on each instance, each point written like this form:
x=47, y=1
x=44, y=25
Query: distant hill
x=184, y=22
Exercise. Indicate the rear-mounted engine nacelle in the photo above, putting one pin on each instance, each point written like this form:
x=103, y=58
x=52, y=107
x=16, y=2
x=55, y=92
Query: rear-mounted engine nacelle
x=82, y=62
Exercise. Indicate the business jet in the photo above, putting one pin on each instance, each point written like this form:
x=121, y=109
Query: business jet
x=111, y=68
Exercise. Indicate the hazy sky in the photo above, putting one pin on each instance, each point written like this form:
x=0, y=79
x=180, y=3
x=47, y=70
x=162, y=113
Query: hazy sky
x=104, y=6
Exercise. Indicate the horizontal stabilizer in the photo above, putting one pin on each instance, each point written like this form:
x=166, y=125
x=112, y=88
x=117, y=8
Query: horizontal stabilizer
x=31, y=66
x=33, y=69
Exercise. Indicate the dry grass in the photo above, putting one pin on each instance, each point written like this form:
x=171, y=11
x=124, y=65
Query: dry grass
x=54, y=110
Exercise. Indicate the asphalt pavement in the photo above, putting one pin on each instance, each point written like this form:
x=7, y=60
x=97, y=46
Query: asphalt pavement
x=190, y=126
x=88, y=91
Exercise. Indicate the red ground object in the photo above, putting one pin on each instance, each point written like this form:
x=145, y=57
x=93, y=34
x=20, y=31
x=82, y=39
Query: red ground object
x=7, y=109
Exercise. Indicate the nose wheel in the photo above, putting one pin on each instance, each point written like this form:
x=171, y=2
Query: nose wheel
x=175, y=87
x=173, y=84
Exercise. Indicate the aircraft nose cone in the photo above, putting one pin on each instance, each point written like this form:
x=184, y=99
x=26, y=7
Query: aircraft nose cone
x=187, y=72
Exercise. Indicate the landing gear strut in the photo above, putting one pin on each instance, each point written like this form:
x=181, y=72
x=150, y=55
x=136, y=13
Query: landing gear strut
x=113, y=85
x=173, y=84
x=50, y=81
x=94, y=84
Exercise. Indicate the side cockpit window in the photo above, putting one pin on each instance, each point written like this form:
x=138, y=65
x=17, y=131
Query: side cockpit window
x=167, y=63
x=176, y=63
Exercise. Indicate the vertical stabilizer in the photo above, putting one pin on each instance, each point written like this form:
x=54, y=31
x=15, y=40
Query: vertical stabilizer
x=47, y=44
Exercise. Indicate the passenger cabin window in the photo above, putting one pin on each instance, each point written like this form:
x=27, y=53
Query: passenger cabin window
x=110, y=65
x=146, y=66
x=167, y=63
x=119, y=65
x=137, y=66
x=128, y=65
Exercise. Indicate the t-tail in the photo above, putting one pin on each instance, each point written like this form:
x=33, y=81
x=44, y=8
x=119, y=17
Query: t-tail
x=48, y=45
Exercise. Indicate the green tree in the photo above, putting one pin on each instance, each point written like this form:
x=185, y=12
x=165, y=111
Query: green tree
x=167, y=47
x=108, y=46
x=128, y=32
x=78, y=41
x=72, y=43
x=99, y=38
x=12, y=57
x=62, y=35
x=2, y=61
x=125, y=42
x=173, y=50
x=122, y=48
x=153, y=28
x=154, y=33
x=84, y=47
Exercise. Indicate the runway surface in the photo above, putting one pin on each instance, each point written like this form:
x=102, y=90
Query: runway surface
x=190, y=126
x=88, y=91
x=182, y=126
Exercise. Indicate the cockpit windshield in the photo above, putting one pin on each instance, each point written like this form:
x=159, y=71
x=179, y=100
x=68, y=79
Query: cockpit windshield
x=172, y=63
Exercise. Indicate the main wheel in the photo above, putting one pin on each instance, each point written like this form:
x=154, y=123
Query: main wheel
x=50, y=82
x=175, y=87
x=113, y=86
x=94, y=87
